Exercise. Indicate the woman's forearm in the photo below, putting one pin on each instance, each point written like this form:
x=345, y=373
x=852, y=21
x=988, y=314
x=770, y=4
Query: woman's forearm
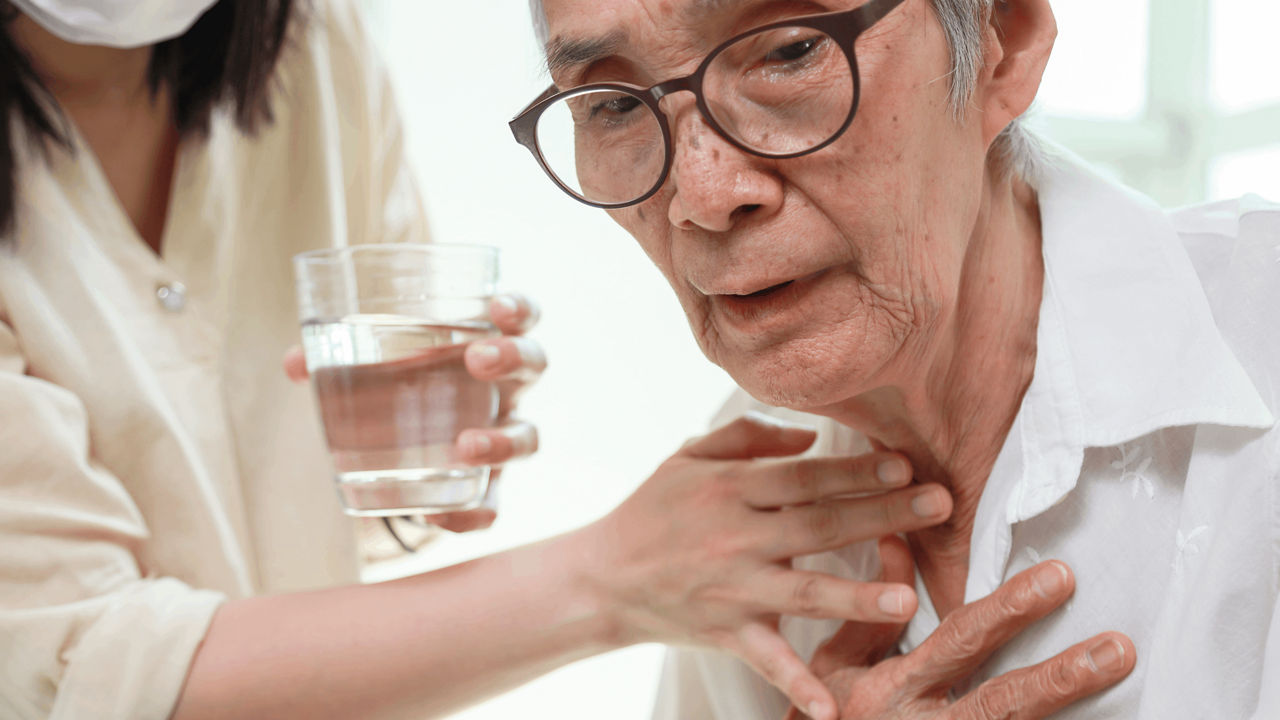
x=699, y=554
x=417, y=647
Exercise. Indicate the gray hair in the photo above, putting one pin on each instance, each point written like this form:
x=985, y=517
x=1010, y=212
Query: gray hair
x=1016, y=149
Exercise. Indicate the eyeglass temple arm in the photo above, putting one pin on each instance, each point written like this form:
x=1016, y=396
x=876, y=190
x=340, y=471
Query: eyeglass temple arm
x=872, y=12
x=521, y=132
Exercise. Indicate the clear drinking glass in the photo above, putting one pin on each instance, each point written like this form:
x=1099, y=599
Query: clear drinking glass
x=384, y=328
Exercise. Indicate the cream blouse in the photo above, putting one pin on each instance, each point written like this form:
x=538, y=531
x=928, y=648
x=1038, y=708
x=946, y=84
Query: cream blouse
x=154, y=459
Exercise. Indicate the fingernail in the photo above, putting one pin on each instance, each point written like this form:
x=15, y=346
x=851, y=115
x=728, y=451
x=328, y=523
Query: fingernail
x=928, y=504
x=486, y=354
x=892, y=602
x=508, y=303
x=477, y=445
x=1050, y=580
x=893, y=472
x=531, y=353
x=815, y=710
x=1106, y=656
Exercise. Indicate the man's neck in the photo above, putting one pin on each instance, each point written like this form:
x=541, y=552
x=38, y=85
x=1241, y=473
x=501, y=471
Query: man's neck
x=952, y=419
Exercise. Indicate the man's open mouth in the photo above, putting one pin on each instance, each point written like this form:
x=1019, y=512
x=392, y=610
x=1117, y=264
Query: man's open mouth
x=775, y=301
x=767, y=291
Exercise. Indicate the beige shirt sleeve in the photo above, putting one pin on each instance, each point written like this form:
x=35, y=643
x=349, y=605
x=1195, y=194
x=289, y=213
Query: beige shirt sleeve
x=384, y=202
x=85, y=635
x=154, y=460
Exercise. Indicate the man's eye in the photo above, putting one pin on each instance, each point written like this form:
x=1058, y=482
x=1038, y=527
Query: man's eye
x=793, y=51
x=620, y=105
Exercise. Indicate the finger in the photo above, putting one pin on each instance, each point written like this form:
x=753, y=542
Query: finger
x=506, y=358
x=480, y=518
x=795, y=482
x=513, y=313
x=818, y=595
x=464, y=520
x=295, y=364
x=896, y=563
x=773, y=659
x=494, y=446
x=858, y=644
x=509, y=394
x=750, y=436
x=970, y=634
x=1043, y=689
x=832, y=524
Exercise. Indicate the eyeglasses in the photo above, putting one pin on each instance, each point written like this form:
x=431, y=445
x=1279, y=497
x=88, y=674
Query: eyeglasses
x=778, y=91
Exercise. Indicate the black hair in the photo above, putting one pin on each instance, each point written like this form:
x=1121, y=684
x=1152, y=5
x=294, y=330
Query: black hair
x=229, y=55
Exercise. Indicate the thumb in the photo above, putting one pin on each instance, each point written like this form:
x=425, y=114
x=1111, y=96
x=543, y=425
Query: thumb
x=855, y=644
x=750, y=436
x=896, y=564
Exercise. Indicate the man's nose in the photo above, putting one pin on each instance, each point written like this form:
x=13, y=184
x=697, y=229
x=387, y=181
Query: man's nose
x=715, y=184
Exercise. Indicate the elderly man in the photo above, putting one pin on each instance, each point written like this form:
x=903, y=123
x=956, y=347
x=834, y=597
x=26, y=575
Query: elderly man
x=841, y=196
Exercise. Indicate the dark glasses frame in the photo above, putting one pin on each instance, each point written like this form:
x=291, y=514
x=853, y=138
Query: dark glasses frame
x=844, y=27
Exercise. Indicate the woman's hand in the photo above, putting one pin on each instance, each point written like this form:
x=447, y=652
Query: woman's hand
x=918, y=685
x=701, y=553
x=514, y=362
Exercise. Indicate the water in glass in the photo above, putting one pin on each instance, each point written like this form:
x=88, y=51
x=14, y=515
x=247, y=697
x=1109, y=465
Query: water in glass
x=394, y=394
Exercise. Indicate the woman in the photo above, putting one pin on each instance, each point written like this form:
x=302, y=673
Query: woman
x=160, y=477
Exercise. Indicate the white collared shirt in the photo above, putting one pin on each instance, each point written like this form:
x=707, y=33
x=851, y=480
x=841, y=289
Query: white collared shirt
x=1145, y=455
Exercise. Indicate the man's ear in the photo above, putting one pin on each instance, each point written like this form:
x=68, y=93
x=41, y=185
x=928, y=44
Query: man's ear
x=1017, y=41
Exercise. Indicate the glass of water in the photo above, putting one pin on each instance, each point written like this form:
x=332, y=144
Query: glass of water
x=384, y=328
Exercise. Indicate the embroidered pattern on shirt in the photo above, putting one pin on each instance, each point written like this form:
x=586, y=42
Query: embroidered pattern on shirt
x=1137, y=476
x=1186, y=548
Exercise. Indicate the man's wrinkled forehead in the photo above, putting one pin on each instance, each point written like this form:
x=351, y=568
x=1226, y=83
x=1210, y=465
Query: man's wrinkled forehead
x=582, y=31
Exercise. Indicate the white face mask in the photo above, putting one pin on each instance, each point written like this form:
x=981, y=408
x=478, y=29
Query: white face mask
x=116, y=23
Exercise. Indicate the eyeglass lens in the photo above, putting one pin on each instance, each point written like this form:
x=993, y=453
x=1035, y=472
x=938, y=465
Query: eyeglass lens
x=777, y=92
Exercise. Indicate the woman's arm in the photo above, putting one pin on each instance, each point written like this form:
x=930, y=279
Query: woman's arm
x=698, y=555
x=418, y=647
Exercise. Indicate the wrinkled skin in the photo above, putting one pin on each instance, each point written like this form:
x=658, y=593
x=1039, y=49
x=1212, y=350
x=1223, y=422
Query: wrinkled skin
x=920, y=685
x=885, y=213
x=891, y=280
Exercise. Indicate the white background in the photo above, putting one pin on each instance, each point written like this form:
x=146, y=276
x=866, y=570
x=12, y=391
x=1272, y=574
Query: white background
x=626, y=383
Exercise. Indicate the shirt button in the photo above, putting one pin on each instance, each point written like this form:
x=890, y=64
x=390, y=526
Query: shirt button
x=172, y=296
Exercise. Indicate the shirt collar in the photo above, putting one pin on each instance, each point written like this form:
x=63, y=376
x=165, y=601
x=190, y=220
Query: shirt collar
x=1126, y=344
